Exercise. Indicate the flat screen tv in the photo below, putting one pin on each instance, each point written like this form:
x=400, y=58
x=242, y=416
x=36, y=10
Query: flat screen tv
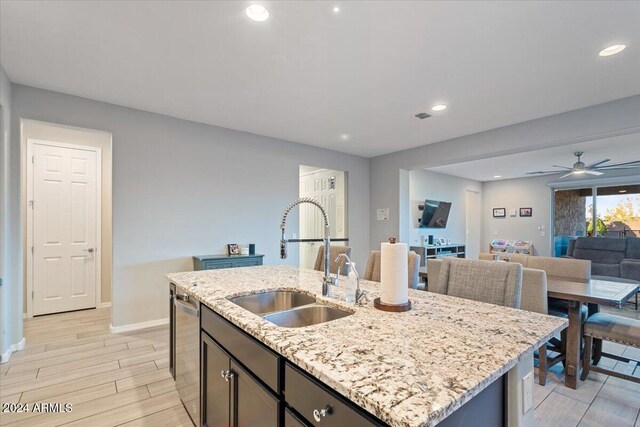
x=435, y=214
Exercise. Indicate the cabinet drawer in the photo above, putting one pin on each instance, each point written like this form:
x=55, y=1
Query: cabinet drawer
x=305, y=395
x=256, y=357
x=249, y=263
x=213, y=265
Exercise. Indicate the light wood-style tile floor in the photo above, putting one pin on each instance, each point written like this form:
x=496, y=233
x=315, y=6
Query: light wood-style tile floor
x=110, y=379
x=123, y=379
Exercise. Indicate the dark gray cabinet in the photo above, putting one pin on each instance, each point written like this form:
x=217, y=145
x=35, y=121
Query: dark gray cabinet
x=214, y=384
x=231, y=395
x=253, y=404
x=214, y=262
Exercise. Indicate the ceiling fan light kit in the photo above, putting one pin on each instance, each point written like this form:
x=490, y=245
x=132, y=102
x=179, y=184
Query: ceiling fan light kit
x=597, y=168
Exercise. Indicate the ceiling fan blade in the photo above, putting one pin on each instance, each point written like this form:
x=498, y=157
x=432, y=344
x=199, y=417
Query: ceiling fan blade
x=594, y=173
x=596, y=164
x=563, y=167
x=566, y=175
x=635, y=162
x=620, y=168
x=542, y=172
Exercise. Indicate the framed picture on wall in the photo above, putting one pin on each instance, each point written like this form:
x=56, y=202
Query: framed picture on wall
x=526, y=212
x=499, y=212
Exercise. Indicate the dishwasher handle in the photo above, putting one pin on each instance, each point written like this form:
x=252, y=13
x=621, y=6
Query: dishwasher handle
x=184, y=304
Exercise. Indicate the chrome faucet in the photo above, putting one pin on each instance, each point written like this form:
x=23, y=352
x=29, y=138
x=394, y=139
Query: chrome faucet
x=360, y=294
x=327, y=281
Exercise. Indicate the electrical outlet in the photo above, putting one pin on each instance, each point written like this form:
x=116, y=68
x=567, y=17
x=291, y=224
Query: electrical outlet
x=527, y=392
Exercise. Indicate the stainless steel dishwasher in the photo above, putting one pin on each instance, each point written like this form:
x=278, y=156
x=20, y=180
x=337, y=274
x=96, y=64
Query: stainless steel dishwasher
x=187, y=348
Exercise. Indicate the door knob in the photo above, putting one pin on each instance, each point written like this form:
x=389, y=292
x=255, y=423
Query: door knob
x=90, y=250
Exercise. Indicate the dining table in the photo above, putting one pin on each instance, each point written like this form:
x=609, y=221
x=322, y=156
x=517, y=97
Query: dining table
x=607, y=291
x=600, y=291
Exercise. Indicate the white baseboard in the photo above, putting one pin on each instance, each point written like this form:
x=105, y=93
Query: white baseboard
x=12, y=348
x=105, y=305
x=136, y=326
x=24, y=315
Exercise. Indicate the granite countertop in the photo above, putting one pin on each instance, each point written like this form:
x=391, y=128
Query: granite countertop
x=408, y=369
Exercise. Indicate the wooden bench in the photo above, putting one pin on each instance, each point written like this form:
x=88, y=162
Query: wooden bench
x=610, y=327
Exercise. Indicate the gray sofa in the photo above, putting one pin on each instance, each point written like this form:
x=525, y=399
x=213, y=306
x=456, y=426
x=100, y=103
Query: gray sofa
x=609, y=257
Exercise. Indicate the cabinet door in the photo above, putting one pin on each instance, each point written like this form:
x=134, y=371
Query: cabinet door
x=253, y=404
x=214, y=388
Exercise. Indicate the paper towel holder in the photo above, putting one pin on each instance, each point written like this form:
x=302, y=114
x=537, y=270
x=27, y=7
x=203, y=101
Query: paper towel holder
x=396, y=308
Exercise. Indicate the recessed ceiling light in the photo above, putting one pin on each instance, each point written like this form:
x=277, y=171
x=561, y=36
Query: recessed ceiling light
x=344, y=136
x=497, y=176
x=612, y=50
x=257, y=12
x=336, y=9
x=622, y=191
x=439, y=107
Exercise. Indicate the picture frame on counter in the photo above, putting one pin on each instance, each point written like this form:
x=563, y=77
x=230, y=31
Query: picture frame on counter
x=233, y=249
x=526, y=212
x=499, y=212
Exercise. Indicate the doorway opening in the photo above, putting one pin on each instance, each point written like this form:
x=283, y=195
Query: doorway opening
x=67, y=218
x=329, y=188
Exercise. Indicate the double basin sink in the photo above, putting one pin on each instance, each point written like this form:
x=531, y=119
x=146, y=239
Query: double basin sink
x=289, y=309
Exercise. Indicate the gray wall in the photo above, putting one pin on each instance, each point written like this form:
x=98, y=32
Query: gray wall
x=515, y=194
x=388, y=177
x=182, y=188
x=10, y=291
x=437, y=186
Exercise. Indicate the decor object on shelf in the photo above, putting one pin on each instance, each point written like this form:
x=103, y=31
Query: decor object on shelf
x=596, y=168
x=233, y=249
x=526, y=212
x=512, y=246
x=252, y=248
x=499, y=212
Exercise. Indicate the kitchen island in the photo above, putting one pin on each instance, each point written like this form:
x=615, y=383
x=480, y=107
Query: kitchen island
x=402, y=369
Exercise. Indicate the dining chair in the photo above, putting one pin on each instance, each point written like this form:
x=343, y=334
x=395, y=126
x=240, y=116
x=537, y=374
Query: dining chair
x=334, y=251
x=372, y=272
x=486, y=281
x=577, y=269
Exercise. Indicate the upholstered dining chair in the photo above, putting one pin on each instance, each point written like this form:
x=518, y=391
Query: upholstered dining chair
x=372, y=271
x=486, y=281
x=334, y=251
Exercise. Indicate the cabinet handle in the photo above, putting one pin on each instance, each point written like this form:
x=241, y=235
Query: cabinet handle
x=319, y=414
x=227, y=375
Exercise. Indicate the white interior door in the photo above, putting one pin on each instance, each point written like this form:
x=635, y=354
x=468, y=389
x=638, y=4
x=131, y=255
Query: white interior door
x=64, y=227
x=473, y=225
x=328, y=188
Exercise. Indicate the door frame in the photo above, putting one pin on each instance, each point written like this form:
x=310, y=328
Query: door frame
x=29, y=225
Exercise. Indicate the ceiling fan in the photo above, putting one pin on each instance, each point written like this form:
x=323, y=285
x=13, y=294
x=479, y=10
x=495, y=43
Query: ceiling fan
x=597, y=168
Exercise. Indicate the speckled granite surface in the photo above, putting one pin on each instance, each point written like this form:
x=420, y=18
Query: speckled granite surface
x=408, y=369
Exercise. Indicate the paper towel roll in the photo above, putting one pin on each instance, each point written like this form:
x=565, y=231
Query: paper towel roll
x=394, y=273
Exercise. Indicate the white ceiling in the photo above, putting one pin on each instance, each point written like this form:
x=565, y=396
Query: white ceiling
x=619, y=149
x=309, y=75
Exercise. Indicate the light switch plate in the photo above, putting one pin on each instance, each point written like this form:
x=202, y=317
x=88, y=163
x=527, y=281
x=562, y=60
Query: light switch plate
x=383, y=214
x=527, y=392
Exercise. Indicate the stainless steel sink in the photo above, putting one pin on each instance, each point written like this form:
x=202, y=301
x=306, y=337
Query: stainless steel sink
x=306, y=316
x=268, y=302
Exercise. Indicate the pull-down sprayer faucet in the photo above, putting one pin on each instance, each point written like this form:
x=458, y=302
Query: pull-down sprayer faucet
x=327, y=280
